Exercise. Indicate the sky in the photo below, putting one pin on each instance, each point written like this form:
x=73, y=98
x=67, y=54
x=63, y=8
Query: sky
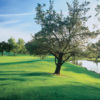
x=17, y=17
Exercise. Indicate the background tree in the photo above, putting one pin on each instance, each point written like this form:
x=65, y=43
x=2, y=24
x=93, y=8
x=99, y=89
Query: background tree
x=93, y=50
x=14, y=45
x=59, y=35
x=90, y=51
x=97, y=47
x=9, y=47
x=21, y=45
x=29, y=46
x=4, y=47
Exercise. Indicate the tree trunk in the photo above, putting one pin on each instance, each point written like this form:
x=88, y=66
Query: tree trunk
x=96, y=58
x=58, y=67
x=58, y=64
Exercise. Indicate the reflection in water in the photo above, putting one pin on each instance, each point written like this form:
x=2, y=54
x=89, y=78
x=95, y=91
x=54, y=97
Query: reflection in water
x=96, y=63
x=90, y=65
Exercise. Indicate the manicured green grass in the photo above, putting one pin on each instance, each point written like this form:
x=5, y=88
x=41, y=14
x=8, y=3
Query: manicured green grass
x=29, y=78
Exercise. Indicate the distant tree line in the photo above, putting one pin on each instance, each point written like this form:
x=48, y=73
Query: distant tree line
x=15, y=47
x=20, y=47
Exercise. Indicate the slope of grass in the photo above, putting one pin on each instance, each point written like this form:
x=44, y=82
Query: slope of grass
x=28, y=78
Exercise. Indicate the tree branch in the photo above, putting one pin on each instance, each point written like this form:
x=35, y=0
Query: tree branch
x=55, y=61
x=66, y=59
x=53, y=53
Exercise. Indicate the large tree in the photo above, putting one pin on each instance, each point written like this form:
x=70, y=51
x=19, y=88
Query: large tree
x=61, y=36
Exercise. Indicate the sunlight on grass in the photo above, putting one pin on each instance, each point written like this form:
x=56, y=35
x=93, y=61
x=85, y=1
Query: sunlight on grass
x=29, y=78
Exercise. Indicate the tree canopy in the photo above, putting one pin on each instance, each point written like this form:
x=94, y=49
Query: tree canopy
x=17, y=47
x=61, y=36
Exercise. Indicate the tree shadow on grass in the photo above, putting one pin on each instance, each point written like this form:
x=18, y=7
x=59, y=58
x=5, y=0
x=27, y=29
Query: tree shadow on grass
x=6, y=84
x=80, y=70
x=14, y=79
x=21, y=62
x=11, y=71
x=29, y=76
x=37, y=74
x=62, y=92
x=29, y=61
x=24, y=73
x=22, y=76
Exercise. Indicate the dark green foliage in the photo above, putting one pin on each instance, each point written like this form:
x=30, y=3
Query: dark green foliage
x=17, y=47
x=62, y=36
x=5, y=47
x=29, y=46
x=14, y=45
x=93, y=50
x=21, y=46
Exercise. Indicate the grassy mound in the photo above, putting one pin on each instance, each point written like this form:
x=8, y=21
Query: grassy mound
x=29, y=78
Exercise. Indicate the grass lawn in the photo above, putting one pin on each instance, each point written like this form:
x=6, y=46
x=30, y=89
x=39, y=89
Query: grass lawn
x=29, y=78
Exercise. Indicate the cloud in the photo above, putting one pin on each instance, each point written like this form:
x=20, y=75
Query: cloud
x=19, y=14
x=6, y=33
x=16, y=29
x=8, y=22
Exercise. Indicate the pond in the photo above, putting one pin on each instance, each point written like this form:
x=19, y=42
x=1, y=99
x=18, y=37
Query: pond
x=90, y=65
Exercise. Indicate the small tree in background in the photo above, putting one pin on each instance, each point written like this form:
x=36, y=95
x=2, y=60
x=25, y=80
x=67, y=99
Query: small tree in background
x=14, y=45
x=94, y=50
x=4, y=47
x=21, y=45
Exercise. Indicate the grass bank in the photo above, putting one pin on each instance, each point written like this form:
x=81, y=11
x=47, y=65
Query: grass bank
x=28, y=78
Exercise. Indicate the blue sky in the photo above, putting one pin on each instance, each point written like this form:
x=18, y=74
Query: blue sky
x=17, y=17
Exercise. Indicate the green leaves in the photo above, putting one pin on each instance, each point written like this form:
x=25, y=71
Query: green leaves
x=97, y=10
x=61, y=35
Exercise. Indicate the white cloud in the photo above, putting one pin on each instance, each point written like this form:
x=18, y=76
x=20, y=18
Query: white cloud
x=24, y=25
x=6, y=33
x=15, y=29
x=8, y=22
x=19, y=14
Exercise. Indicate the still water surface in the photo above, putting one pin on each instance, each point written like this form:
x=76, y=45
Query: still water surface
x=90, y=65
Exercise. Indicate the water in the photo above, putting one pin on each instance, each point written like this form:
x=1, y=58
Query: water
x=90, y=65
